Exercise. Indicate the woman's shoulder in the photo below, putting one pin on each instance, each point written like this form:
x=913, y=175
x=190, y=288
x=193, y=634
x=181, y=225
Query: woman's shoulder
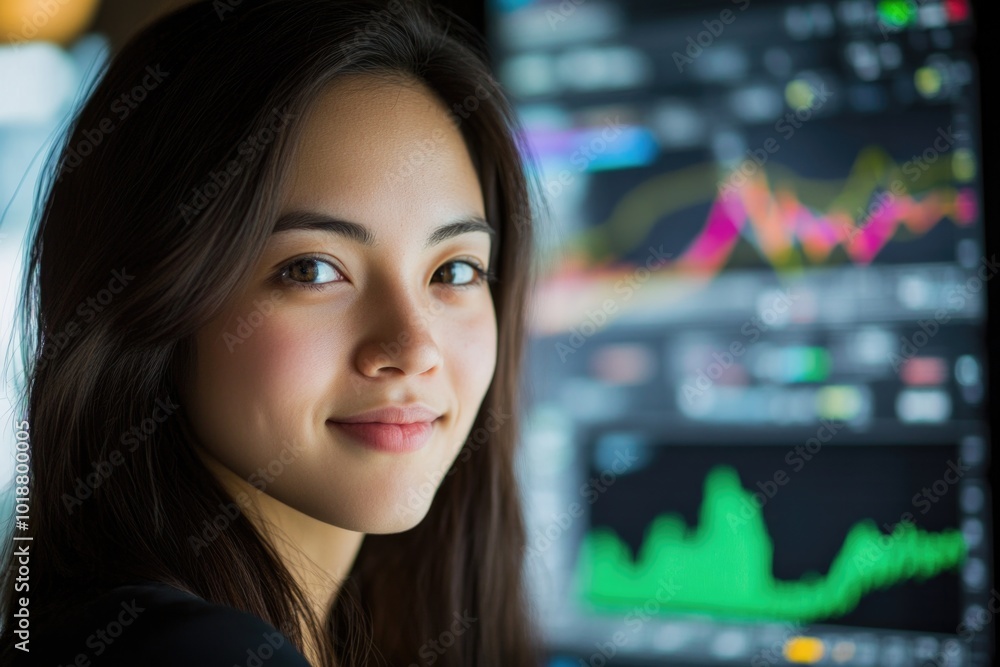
x=151, y=623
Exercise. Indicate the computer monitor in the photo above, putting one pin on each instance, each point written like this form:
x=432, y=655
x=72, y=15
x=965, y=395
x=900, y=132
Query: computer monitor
x=756, y=429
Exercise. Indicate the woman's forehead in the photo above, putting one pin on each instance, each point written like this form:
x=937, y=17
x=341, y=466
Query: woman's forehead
x=372, y=149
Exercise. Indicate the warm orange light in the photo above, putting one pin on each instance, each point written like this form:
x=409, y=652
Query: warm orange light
x=51, y=20
x=805, y=650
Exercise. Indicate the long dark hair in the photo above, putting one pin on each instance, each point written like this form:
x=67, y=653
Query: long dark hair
x=155, y=211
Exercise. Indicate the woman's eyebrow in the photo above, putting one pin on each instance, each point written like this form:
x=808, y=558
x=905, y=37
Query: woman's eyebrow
x=313, y=221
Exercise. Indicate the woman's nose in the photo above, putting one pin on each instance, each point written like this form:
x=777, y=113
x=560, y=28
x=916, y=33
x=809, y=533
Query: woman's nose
x=399, y=337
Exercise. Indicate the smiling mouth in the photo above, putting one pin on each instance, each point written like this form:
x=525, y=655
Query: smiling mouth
x=392, y=438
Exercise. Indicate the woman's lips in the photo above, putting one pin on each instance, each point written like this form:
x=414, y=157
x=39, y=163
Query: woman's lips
x=397, y=438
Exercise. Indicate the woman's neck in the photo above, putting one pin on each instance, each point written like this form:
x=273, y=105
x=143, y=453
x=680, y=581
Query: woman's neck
x=318, y=555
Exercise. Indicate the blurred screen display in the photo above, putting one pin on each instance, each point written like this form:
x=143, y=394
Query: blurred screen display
x=756, y=430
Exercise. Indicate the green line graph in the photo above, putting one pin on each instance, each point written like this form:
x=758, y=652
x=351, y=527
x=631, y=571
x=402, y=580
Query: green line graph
x=723, y=567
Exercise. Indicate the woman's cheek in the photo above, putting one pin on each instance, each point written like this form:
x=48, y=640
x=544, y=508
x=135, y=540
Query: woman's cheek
x=479, y=349
x=283, y=362
x=293, y=355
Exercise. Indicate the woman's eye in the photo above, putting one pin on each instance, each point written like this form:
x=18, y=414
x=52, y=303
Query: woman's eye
x=316, y=273
x=461, y=273
x=309, y=272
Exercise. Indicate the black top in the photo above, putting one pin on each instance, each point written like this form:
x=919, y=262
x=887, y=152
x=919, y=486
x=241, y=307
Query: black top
x=156, y=625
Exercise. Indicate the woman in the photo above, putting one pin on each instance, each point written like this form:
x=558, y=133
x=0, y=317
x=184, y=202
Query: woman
x=276, y=297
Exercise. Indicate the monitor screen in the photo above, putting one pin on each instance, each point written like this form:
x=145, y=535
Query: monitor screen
x=755, y=425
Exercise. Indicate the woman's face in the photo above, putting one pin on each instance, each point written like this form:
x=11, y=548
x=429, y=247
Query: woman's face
x=340, y=319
